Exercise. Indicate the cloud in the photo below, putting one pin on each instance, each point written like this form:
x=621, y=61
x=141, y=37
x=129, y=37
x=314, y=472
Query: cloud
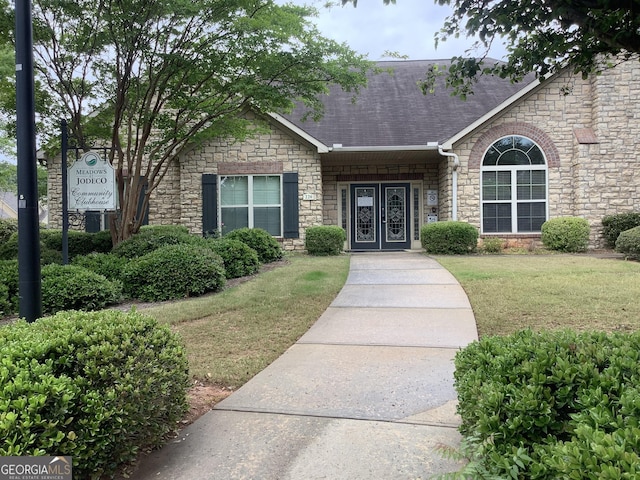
x=408, y=28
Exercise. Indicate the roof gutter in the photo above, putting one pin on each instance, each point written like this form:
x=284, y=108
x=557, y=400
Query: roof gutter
x=454, y=181
x=338, y=148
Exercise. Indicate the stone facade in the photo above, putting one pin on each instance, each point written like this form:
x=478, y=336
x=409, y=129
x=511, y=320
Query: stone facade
x=587, y=129
x=585, y=178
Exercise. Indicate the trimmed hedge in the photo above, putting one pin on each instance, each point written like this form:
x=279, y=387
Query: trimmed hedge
x=70, y=287
x=552, y=405
x=9, y=294
x=8, y=226
x=449, y=238
x=629, y=242
x=614, y=225
x=566, y=234
x=80, y=243
x=106, y=264
x=151, y=239
x=174, y=271
x=98, y=386
x=325, y=240
x=267, y=247
x=239, y=258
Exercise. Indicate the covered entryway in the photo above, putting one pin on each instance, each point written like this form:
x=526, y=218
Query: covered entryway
x=380, y=216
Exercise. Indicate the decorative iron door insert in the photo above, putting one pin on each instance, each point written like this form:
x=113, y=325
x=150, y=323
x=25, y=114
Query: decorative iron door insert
x=380, y=217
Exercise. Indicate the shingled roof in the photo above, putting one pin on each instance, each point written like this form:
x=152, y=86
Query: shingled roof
x=392, y=111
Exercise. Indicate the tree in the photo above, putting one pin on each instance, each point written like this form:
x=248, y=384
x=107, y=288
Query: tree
x=542, y=36
x=9, y=179
x=152, y=79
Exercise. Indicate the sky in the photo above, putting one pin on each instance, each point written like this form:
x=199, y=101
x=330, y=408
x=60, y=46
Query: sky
x=408, y=28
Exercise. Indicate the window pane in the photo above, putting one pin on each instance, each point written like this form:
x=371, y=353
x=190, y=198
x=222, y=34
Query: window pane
x=504, y=193
x=523, y=144
x=491, y=157
x=536, y=156
x=268, y=218
x=538, y=177
x=531, y=216
x=234, y=190
x=234, y=218
x=266, y=190
x=514, y=157
x=504, y=144
x=496, y=217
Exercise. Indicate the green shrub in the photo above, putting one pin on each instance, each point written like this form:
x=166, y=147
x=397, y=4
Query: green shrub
x=150, y=239
x=239, y=259
x=552, y=405
x=102, y=242
x=9, y=248
x=8, y=226
x=106, y=264
x=80, y=243
x=164, y=229
x=267, y=247
x=6, y=307
x=71, y=287
x=566, y=234
x=174, y=271
x=449, y=238
x=629, y=242
x=614, y=225
x=100, y=387
x=9, y=278
x=325, y=240
x=492, y=245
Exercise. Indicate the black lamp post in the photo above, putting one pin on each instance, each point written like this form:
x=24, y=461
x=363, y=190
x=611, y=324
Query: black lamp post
x=29, y=281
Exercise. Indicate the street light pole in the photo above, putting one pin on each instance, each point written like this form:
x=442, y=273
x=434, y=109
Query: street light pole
x=29, y=281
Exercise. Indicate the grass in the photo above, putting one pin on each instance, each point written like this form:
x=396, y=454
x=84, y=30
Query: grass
x=513, y=292
x=233, y=335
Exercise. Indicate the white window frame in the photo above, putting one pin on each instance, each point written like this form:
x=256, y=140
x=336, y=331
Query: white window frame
x=513, y=169
x=250, y=205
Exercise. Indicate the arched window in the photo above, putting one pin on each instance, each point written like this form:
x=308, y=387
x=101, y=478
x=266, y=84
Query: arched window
x=514, y=186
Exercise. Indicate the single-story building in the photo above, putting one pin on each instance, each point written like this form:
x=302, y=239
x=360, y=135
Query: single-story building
x=505, y=160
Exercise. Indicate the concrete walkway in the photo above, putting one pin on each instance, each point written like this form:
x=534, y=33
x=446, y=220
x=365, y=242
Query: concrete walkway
x=367, y=393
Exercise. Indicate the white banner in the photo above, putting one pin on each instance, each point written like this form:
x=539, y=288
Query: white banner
x=92, y=183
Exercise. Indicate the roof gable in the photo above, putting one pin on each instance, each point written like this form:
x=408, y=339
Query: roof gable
x=392, y=110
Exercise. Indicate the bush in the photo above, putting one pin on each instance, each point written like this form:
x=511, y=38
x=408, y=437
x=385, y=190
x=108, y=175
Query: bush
x=105, y=264
x=566, y=234
x=9, y=248
x=174, y=271
x=325, y=240
x=99, y=387
x=448, y=238
x=239, y=259
x=150, y=239
x=629, y=242
x=80, y=243
x=102, y=242
x=614, y=225
x=71, y=287
x=8, y=226
x=552, y=405
x=267, y=247
x=9, y=278
x=492, y=245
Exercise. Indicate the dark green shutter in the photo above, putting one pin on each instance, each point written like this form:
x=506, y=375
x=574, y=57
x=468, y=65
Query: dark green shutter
x=290, y=205
x=209, y=203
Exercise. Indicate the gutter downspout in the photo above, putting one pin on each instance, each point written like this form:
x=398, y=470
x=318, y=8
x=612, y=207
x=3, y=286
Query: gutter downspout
x=454, y=181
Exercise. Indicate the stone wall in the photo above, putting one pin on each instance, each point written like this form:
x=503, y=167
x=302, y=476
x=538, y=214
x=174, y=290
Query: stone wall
x=273, y=151
x=586, y=179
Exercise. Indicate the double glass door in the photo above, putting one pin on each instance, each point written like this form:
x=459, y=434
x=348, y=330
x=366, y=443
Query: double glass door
x=380, y=216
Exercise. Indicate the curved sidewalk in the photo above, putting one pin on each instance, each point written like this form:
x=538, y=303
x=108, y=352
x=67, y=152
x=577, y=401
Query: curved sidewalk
x=366, y=393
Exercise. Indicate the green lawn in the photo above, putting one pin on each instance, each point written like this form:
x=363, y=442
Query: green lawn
x=233, y=335
x=549, y=292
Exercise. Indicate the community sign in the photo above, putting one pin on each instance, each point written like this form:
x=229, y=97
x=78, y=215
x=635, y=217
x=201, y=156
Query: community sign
x=92, y=183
